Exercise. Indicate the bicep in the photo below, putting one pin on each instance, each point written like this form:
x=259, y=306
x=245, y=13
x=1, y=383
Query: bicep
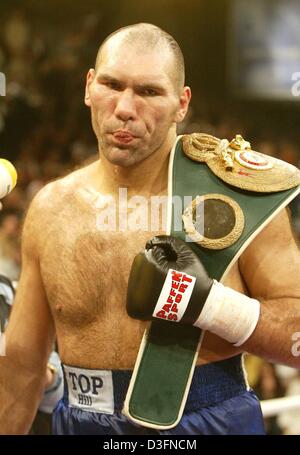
x=30, y=331
x=271, y=263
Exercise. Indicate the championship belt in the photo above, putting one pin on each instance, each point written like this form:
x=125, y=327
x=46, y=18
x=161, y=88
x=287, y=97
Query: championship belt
x=230, y=193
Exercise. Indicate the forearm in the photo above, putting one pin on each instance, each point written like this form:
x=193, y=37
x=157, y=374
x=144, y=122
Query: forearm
x=265, y=324
x=274, y=337
x=21, y=388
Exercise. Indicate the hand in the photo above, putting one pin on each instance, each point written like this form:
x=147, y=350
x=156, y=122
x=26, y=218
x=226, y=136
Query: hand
x=148, y=274
x=168, y=281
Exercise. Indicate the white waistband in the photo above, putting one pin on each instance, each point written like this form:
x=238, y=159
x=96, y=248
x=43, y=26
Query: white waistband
x=90, y=390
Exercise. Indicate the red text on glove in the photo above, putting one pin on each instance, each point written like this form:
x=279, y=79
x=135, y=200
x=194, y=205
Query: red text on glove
x=172, y=302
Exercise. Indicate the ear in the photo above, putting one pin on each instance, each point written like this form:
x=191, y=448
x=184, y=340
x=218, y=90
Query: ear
x=89, y=79
x=184, y=101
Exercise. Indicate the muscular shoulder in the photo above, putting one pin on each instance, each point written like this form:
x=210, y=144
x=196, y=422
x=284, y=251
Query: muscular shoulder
x=274, y=237
x=271, y=262
x=49, y=205
x=55, y=194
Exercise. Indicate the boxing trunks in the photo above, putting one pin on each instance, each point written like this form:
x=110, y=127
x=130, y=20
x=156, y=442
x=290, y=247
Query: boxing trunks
x=219, y=402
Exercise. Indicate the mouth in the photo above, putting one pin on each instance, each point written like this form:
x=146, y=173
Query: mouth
x=123, y=137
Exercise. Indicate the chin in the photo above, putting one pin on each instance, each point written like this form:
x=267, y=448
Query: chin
x=120, y=157
x=122, y=163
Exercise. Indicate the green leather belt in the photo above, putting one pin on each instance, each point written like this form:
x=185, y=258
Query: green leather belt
x=169, y=351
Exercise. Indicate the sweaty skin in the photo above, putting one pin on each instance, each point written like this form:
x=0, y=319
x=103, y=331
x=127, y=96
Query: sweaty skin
x=85, y=273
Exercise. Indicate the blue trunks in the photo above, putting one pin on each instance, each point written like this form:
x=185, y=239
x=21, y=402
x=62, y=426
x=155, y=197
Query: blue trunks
x=219, y=402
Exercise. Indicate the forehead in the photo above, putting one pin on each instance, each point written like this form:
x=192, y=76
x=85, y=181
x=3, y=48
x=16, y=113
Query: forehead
x=137, y=62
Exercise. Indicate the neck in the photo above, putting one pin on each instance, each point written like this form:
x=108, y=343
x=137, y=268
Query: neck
x=150, y=176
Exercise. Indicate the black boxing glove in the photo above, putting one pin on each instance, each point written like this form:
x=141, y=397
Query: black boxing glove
x=168, y=281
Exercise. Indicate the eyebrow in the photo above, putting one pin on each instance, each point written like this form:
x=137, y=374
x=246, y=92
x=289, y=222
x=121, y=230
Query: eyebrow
x=103, y=77
x=107, y=78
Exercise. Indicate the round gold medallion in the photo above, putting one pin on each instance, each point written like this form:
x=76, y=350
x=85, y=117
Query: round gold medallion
x=214, y=221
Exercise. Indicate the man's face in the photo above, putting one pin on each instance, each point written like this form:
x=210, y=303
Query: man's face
x=134, y=101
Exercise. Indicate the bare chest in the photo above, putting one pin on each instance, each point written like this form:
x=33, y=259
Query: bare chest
x=85, y=271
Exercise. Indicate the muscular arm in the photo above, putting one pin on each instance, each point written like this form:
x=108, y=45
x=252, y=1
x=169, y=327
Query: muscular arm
x=271, y=269
x=29, y=337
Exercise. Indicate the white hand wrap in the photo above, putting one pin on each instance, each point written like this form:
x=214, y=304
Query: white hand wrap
x=229, y=314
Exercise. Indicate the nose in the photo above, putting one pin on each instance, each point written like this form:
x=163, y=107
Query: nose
x=125, y=107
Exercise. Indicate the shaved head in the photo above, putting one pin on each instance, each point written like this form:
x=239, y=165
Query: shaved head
x=143, y=37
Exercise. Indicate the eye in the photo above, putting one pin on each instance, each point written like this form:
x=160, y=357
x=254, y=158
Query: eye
x=148, y=91
x=114, y=85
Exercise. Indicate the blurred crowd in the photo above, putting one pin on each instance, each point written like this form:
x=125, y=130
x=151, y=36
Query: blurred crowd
x=45, y=131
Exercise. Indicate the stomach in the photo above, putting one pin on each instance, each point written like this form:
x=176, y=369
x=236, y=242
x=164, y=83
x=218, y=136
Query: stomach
x=110, y=339
x=99, y=346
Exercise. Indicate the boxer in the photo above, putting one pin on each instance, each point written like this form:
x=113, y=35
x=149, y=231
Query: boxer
x=75, y=275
